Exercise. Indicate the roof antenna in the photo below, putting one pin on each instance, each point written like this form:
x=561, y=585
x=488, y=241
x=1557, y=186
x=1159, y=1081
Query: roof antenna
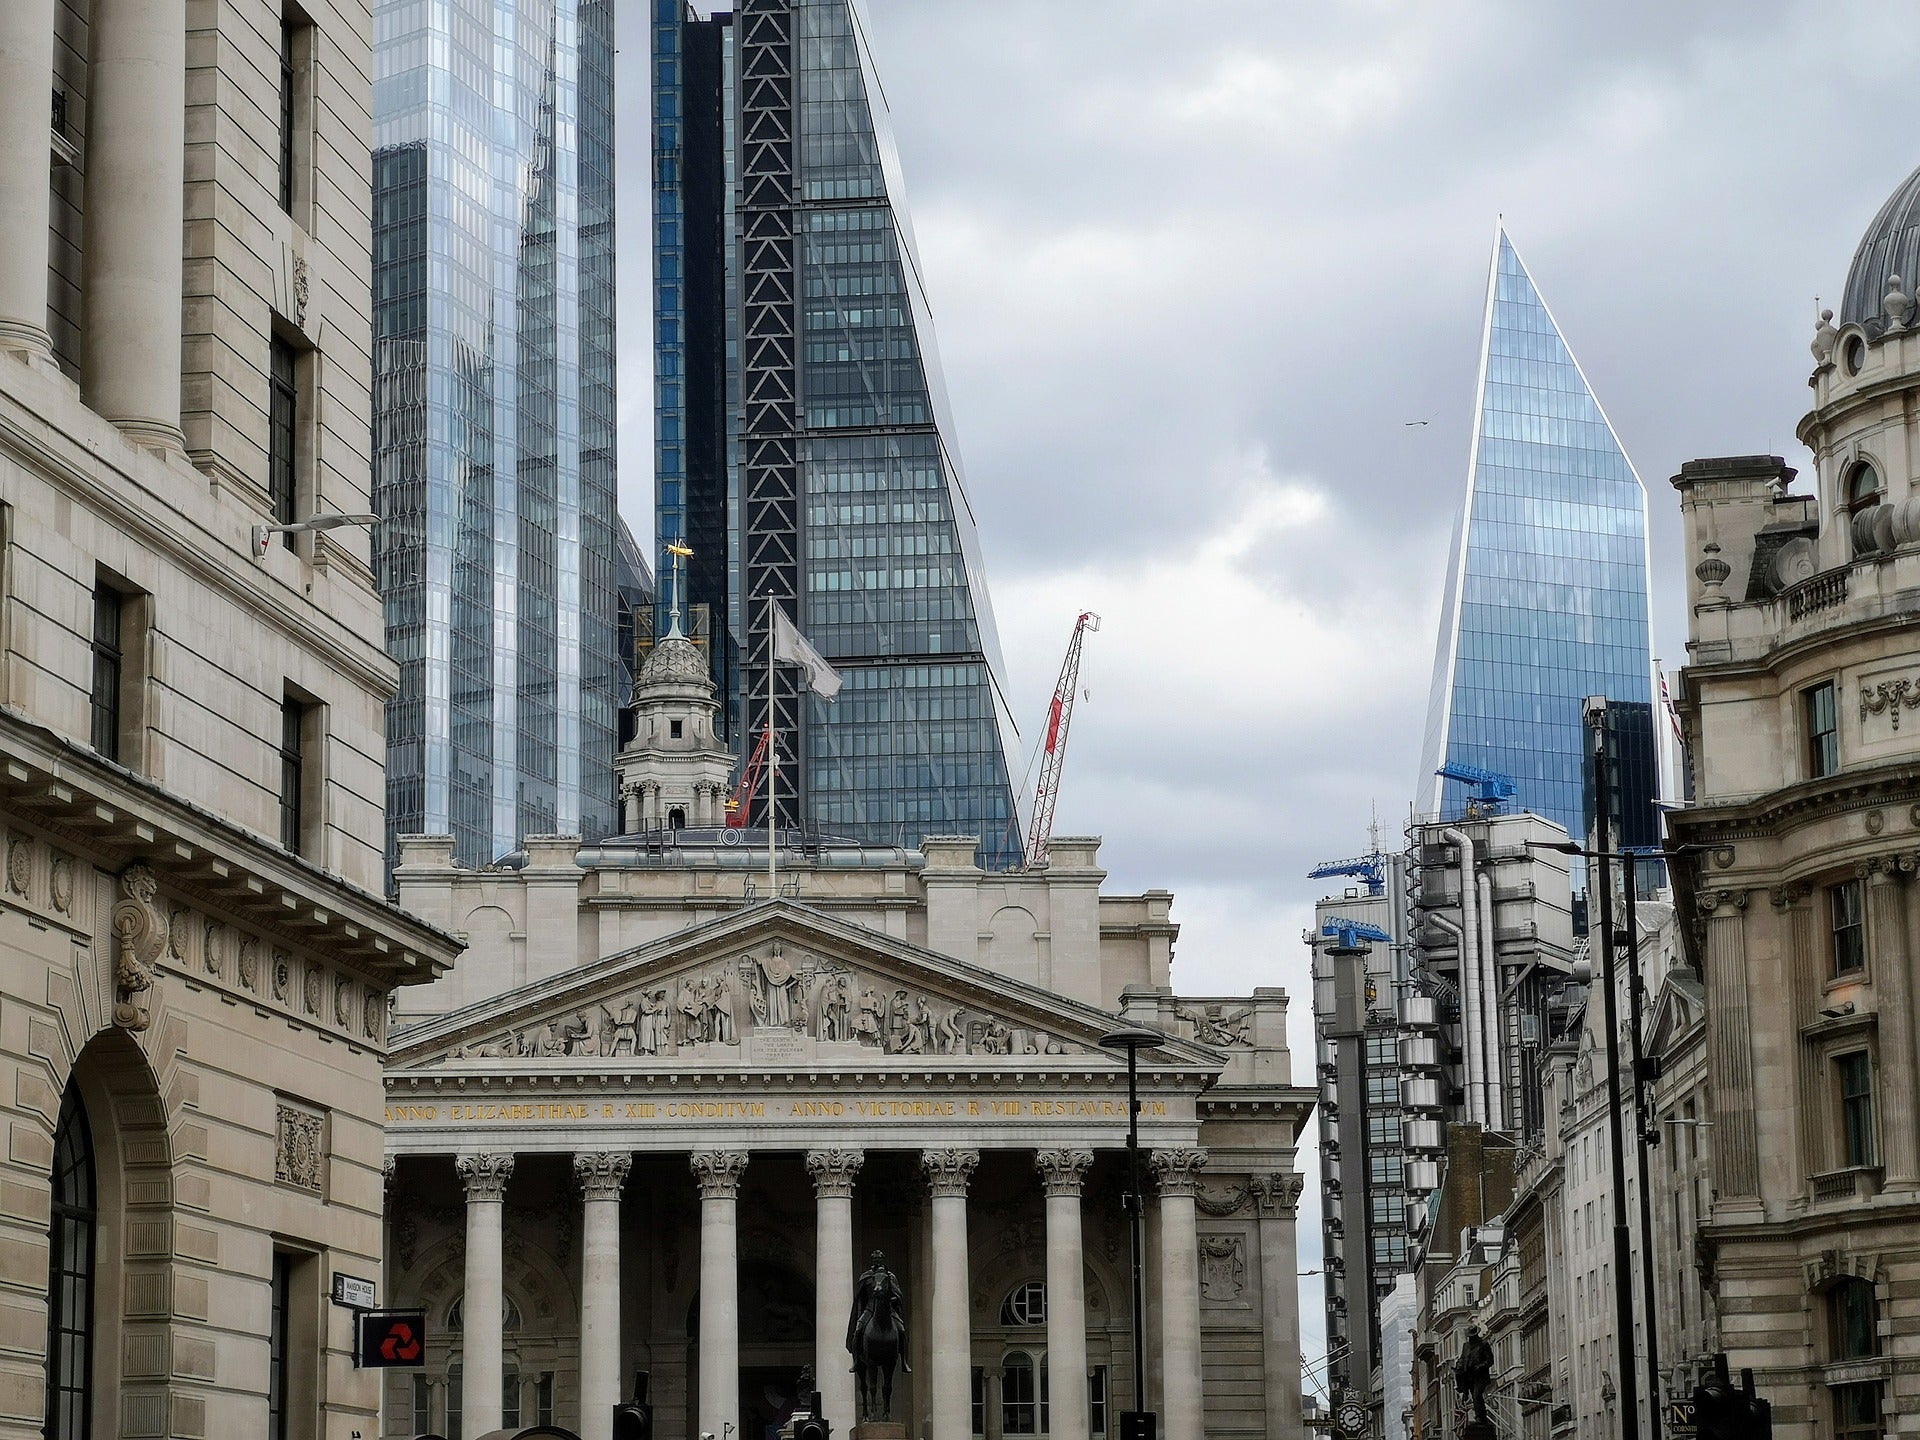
x=678, y=551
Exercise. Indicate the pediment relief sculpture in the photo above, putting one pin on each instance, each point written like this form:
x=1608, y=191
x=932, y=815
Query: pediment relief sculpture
x=768, y=994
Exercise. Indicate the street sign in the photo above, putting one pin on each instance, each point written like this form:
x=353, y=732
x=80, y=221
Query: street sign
x=1680, y=1421
x=390, y=1339
x=352, y=1291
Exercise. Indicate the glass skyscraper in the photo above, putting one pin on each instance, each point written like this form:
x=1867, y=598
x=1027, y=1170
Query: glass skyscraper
x=1546, y=599
x=494, y=415
x=803, y=445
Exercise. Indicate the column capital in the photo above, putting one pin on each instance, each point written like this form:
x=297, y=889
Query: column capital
x=602, y=1173
x=948, y=1171
x=1177, y=1171
x=1279, y=1191
x=718, y=1172
x=1061, y=1171
x=485, y=1175
x=834, y=1171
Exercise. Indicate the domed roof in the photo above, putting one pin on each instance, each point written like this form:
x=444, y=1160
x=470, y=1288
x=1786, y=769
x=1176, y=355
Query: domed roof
x=675, y=660
x=1890, y=247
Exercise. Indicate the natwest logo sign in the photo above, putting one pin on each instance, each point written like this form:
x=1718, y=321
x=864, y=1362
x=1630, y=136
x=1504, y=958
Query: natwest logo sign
x=390, y=1339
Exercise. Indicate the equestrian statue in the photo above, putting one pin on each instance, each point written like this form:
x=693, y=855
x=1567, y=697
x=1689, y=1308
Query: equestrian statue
x=877, y=1337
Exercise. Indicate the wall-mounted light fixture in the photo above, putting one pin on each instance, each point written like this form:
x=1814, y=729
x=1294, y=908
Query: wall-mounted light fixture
x=262, y=534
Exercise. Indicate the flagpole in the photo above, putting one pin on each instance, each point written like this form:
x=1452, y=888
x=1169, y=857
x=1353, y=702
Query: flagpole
x=773, y=765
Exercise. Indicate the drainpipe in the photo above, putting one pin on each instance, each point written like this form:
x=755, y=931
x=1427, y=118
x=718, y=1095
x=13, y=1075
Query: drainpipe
x=1490, y=1003
x=1471, y=1012
x=1469, y=1056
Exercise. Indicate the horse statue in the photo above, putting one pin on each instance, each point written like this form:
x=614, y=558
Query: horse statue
x=877, y=1337
x=1473, y=1373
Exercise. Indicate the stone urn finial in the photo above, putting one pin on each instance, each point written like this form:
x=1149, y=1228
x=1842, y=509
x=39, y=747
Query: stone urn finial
x=1825, y=337
x=1897, y=302
x=1712, y=572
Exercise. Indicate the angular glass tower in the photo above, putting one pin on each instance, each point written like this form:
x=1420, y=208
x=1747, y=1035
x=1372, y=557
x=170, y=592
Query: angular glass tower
x=494, y=415
x=803, y=443
x=1546, y=599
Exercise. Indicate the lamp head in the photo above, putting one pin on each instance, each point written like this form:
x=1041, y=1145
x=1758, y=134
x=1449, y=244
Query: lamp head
x=1129, y=1038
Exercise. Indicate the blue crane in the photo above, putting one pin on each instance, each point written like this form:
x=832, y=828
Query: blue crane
x=1492, y=789
x=1370, y=870
x=1349, y=933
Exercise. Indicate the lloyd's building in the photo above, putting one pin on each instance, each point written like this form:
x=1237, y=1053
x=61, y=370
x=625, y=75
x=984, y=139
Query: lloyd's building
x=678, y=1091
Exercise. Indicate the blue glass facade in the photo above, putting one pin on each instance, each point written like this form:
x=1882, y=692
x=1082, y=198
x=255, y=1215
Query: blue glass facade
x=494, y=415
x=804, y=445
x=1547, y=585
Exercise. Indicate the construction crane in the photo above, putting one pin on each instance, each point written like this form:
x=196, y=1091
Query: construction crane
x=1370, y=870
x=1347, y=934
x=740, y=803
x=1054, y=753
x=1492, y=788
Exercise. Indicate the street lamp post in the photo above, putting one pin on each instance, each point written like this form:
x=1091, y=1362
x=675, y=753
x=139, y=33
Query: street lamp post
x=1594, y=711
x=1138, y=1425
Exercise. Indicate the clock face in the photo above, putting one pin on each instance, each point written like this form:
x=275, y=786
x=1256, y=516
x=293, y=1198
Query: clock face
x=1352, y=1419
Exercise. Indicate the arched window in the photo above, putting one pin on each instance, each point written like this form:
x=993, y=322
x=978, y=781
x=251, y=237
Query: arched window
x=676, y=817
x=1026, y=1305
x=70, y=1256
x=1864, y=490
x=509, y=1315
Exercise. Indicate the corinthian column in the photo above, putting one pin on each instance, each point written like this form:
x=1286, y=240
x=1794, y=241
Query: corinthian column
x=1178, y=1174
x=26, y=89
x=483, y=1304
x=136, y=157
x=834, y=1172
x=1893, y=989
x=1275, y=1197
x=719, y=1172
x=601, y=1177
x=1736, y=1144
x=948, y=1172
x=1061, y=1171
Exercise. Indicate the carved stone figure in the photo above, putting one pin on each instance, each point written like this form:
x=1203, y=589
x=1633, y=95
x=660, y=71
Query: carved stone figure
x=835, y=1020
x=139, y=936
x=656, y=1024
x=995, y=1037
x=776, y=989
x=899, y=1023
x=1473, y=1372
x=623, y=1029
x=720, y=1026
x=951, y=1032
x=576, y=1036
x=869, y=1026
x=877, y=1337
x=1214, y=1025
x=693, y=1013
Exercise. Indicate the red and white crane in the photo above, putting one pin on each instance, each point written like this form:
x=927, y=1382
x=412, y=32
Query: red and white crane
x=1054, y=753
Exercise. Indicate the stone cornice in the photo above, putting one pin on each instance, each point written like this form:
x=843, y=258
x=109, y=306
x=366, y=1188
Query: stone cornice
x=121, y=817
x=1765, y=816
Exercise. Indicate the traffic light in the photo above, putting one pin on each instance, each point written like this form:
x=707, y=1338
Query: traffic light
x=811, y=1427
x=633, y=1419
x=1720, y=1412
x=1139, y=1425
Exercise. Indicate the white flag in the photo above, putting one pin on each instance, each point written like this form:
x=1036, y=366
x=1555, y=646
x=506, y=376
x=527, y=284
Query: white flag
x=791, y=646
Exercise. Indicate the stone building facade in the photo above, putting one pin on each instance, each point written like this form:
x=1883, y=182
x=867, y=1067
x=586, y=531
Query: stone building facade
x=668, y=1110
x=1803, y=672
x=195, y=959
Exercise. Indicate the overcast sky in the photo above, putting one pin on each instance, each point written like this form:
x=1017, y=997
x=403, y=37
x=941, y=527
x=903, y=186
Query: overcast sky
x=1196, y=267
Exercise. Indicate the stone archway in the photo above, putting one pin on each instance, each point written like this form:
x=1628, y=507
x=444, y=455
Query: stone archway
x=776, y=1340
x=133, y=1233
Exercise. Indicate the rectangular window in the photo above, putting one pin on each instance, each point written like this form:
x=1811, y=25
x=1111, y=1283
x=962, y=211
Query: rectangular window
x=1849, y=931
x=1823, y=730
x=422, y=1406
x=510, y=1399
x=108, y=620
x=979, y=1400
x=281, y=426
x=543, y=1399
x=277, y=1351
x=1097, y=1400
x=1856, y=1411
x=292, y=773
x=453, y=1403
x=286, y=116
x=1855, y=1073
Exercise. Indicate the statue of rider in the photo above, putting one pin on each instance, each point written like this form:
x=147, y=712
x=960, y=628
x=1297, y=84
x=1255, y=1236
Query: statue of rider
x=878, y=1287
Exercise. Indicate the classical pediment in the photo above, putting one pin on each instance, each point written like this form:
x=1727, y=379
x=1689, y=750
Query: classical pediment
x=1678, y=1008
x=778, y=985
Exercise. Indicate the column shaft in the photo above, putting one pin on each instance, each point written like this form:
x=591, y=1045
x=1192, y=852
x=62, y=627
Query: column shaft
x=136, y=156
x=1181, y=1398
x=948, y=1172
x=26, y=89
x=1887, y=920
x=483, y=1302
x=833, y=1174
x=1062, y=1171
x=1279, y=1308
x=601, y=1177
x=719, y=1174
